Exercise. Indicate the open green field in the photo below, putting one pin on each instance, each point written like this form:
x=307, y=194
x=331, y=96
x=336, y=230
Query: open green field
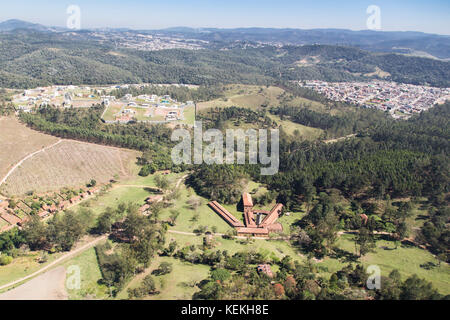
x=261, y=97
x=255, y=97
x=245, y=96
x=190, y=219
x=23, y=266
x=292, y=128
x=111, y=111
x=407, y=260
x=189, y=115
x=90, y=276
x=180, y=284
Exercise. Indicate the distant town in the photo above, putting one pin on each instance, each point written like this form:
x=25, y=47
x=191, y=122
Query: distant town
x=142, y=108
x=145, y=42
x=400, y=100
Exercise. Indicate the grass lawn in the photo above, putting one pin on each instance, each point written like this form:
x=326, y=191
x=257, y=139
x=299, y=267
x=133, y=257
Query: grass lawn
x=406, y=259
x=23, y=266
x=189, y=115
x=249, y=96
x=306, y=133
x=117, y=195
x=274, y=248
x=112, y=109
x=90, y=276
x=150, y=180
x=288, y=221
x=177, y=285
x=185, y=222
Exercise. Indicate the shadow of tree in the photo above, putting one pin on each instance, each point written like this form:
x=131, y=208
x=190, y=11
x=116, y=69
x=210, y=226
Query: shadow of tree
x=343, y=255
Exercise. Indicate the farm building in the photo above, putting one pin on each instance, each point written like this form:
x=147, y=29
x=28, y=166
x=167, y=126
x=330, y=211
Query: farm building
x=255, y=225
x=265, y=268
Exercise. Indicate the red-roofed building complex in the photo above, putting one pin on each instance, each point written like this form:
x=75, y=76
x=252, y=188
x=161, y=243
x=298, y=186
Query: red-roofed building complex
x=255, y=225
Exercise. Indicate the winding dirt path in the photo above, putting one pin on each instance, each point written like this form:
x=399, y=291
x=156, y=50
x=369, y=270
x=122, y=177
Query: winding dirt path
x=26, y=158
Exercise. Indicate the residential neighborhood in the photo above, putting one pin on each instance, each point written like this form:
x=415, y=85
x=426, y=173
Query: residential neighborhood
x=400, y=100
x=142, y=108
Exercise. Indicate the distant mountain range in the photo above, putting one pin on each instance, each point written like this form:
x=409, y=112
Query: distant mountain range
x=14, y=24
x=411, y=43
x=34, y=55
x=414, y=43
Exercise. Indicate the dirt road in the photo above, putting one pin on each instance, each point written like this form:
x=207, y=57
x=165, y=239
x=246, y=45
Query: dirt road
x=26, y=158
x=59, y=260
x=47, y=286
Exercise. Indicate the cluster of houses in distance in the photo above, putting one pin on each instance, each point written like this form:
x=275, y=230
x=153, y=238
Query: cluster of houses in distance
x=143, y=108
x=400, y=100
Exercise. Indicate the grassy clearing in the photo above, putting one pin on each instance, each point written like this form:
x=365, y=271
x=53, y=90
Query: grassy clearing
x=273, y=248
x=119, y=194
x=257, y=97
x=304, y=132
x=189, y=115
x=186, y=220
x=177, y=285
x=246, y=96
x=111, y=111
x=254, y=97
x=90, y=277
x=23, y=266
x=407, y=260
x=150, y=180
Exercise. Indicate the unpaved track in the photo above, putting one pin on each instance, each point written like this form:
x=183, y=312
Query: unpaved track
x=59, y=260
x=47, y=286
x=26, y=158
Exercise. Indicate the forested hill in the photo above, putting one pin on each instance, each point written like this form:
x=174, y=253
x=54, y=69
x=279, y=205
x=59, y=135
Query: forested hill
x=32, y=58
x=377, y=41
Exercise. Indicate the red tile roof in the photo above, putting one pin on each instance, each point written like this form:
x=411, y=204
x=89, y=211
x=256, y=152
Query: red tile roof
x=254, y=231
x=10, y=218
x=228, y=217
x=249, y=218
x=273, y=215
x=247, y=199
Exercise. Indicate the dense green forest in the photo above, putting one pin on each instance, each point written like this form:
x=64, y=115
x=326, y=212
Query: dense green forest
x=29, y=58
x=390, y=159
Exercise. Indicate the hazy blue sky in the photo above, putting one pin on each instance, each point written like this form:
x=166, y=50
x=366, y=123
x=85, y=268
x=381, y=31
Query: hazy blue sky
x=400, y=15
